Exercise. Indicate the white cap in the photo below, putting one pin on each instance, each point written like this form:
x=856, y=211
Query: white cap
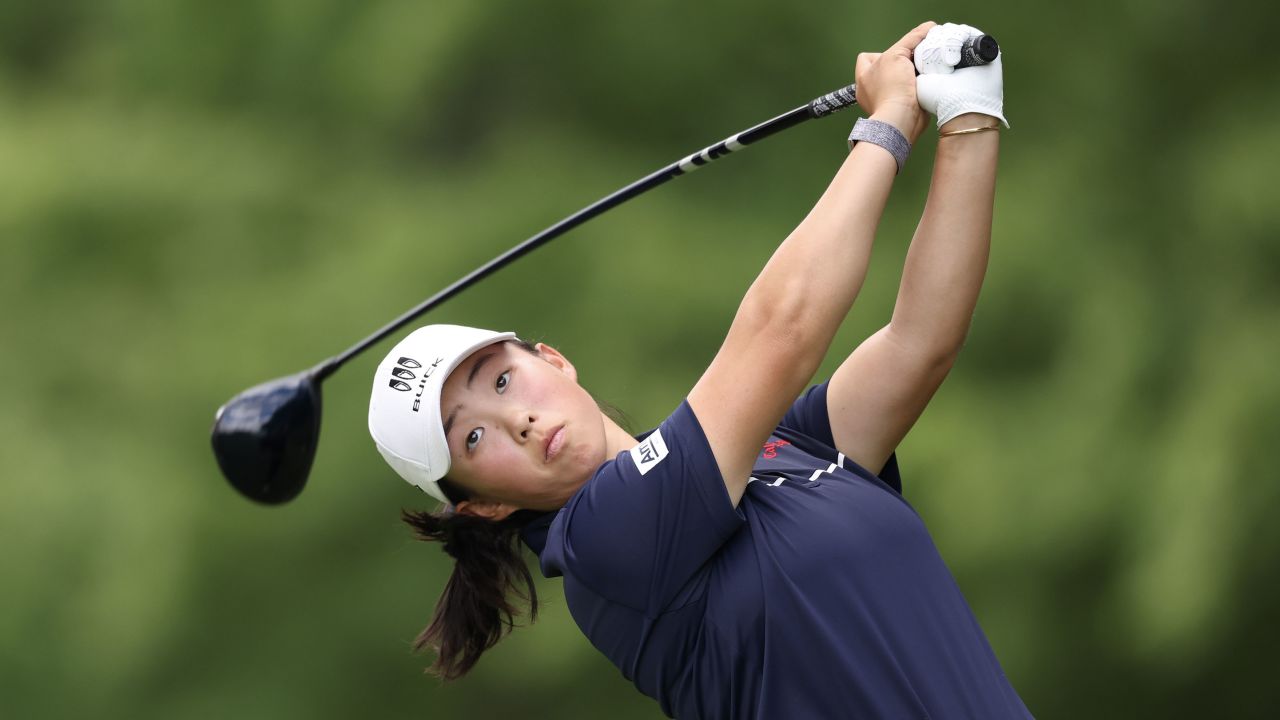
x=404, y=409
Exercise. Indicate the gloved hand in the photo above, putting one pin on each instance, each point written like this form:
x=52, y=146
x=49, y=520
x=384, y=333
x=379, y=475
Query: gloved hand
x=947, y=92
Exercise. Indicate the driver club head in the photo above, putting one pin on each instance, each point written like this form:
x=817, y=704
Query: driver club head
x=265, y=438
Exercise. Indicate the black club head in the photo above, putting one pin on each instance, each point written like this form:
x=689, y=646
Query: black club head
x=265, y=438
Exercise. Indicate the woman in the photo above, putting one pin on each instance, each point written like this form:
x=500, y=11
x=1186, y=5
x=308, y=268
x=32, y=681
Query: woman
x=753, y=555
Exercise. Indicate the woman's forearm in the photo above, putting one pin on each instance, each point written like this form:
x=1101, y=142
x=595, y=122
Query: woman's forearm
x=812, y=279
x=947, y=260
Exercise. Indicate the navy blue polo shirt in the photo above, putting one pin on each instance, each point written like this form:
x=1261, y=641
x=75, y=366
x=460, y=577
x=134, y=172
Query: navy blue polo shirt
x=820, y=596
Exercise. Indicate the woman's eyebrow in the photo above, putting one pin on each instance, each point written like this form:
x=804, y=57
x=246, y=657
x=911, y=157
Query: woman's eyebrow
x=475, y=369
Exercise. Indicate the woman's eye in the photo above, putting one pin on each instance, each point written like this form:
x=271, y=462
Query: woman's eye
x=473, y=438
x=503, y=380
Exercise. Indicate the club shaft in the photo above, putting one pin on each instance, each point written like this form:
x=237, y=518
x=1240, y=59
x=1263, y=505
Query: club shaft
x=819, y=107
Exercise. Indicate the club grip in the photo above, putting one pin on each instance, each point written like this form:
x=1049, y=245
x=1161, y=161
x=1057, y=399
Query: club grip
x=833, y=102
x=980, y=50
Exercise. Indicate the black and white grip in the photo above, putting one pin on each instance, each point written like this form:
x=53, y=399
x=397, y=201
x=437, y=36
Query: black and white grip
x=979, y=50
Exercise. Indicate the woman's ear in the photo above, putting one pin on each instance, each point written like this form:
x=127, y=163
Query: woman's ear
x=491, y=511
x=558, y=360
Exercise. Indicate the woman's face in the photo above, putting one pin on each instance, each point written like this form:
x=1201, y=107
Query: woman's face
x=521, y=431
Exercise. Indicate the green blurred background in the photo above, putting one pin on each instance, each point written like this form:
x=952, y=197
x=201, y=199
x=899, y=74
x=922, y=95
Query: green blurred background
x=196, y=197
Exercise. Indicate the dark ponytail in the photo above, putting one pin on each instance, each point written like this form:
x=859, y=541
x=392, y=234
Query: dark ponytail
x=476, y=608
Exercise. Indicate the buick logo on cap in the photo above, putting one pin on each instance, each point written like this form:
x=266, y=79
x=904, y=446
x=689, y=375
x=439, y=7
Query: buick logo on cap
x=402, y=372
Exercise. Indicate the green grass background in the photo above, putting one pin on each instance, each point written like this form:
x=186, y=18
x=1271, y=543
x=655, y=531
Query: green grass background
x=196, y=197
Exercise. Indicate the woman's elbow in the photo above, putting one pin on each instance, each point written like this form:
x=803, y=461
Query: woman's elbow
x=937, y=347
x=787, y=320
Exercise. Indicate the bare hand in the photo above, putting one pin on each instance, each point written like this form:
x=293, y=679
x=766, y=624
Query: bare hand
x=887, y=84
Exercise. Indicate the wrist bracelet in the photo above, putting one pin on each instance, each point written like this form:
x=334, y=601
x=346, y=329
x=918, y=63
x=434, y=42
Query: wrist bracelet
x=970, y=130
x=883, y=134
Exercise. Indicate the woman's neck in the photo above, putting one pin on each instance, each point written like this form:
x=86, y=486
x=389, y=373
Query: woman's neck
x=615, y=438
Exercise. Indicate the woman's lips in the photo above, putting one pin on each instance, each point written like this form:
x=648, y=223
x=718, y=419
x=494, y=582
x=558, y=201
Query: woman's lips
x=554, y=442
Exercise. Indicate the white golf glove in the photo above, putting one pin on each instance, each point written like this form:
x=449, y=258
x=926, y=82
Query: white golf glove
x=947, y=92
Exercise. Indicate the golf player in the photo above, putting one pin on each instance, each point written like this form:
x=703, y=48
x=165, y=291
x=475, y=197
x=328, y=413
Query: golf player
x=753, y=556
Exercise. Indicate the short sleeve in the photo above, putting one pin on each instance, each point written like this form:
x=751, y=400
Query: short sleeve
x=648, y=520
x=808, y=416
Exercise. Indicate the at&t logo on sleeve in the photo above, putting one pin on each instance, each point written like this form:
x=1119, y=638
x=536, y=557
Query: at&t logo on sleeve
x=649, y=452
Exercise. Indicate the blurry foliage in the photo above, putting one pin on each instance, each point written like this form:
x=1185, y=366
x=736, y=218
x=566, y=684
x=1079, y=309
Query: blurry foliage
x=195, y=197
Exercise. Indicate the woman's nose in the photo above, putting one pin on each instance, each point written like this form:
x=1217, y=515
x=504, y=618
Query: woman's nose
x=522, y=425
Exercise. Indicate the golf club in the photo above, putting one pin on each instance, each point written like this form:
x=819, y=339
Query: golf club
x=265, y=438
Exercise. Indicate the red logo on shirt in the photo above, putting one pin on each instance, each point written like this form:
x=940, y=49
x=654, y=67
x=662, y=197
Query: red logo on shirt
x=771, y=448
